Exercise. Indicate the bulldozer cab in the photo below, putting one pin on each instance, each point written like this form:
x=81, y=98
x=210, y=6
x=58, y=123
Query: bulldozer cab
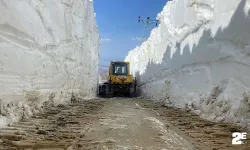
x=119, y=68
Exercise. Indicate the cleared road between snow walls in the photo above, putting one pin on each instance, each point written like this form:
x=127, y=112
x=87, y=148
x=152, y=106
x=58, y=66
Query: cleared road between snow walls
x=117, y=124
x=49, y=51
x=199, y=58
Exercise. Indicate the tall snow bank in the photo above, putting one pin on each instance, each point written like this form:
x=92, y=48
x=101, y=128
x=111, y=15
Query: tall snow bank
x=48, y=52
x=199, y=58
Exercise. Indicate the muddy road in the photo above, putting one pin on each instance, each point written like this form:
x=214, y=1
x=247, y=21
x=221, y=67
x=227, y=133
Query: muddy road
x=117, y=124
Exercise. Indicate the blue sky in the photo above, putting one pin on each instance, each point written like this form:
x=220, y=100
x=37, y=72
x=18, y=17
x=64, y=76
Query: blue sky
x=117, y=24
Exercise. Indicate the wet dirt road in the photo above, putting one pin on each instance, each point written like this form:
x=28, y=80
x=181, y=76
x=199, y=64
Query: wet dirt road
x=117, y=123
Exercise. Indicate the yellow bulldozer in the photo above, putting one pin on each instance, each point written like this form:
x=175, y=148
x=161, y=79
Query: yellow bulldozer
x=119, y=81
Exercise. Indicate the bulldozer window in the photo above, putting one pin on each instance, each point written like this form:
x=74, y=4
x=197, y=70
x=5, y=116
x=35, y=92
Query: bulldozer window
x=120, y=69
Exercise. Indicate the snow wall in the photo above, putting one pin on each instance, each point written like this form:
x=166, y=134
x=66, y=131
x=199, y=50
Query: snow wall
x=49, y=51
x=199, y=58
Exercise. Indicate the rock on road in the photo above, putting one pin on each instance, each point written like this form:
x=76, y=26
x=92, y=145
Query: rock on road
x=117, y=123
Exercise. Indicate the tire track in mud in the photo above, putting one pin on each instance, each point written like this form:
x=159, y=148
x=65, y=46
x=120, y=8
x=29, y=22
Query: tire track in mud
x=125, y=125
x=57, y=128
x=216, y=136
x=117, y=123
x=107, y=124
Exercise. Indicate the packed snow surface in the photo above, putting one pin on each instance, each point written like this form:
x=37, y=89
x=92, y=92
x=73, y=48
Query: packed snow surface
x=48, y=52
x=199, y=58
